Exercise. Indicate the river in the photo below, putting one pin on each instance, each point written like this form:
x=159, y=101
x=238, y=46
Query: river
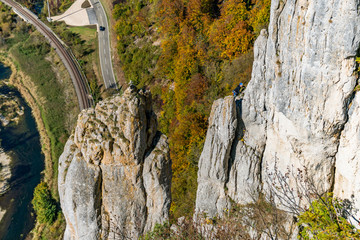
x=22, y=143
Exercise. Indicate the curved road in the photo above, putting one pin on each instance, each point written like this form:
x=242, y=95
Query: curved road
x=104, y=45
x=79, y=81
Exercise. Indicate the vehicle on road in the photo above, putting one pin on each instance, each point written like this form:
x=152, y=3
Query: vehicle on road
x=102, y=28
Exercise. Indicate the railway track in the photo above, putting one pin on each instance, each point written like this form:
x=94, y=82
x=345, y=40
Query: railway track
x=77, y=77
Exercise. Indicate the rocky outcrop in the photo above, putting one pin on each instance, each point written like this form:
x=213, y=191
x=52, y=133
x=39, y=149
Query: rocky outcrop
x=11, y=112
x=226, y=165
x=5, y=172
x=10, y=109
x=115, y=171
x=295, y=111
x=214, y=160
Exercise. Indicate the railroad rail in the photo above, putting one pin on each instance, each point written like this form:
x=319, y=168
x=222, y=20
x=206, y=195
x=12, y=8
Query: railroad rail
x=78, y=78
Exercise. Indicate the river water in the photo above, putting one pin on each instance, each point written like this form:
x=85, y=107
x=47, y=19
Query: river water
x=22, y=143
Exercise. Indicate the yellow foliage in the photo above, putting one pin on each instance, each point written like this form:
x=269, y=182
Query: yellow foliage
x=195, y=33
x=200, y=39
x=231, y=32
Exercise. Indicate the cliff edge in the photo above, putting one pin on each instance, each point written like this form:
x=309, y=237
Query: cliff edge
x=299, y=111
x=115, y=172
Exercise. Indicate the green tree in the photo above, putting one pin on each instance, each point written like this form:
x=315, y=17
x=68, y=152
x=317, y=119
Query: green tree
x=44, y=204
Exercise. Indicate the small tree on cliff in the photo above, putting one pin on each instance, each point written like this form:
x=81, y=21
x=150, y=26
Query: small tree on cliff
x=44, y=204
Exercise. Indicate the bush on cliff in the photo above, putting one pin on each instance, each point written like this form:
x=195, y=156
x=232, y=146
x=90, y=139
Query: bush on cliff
x=326, y=218
x=302, y=208
x=44, y=204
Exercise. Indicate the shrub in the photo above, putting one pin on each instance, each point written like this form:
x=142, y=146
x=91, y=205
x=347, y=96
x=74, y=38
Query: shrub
x=326, y=218
x=318, y=214
x=44, y=204
x=184, y=229
x=160, y=231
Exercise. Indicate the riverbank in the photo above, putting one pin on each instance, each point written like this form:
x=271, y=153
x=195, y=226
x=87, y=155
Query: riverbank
x=20, y=141
x=28, y=90
x=44, y=83
x=52, y=127
x=15, y=174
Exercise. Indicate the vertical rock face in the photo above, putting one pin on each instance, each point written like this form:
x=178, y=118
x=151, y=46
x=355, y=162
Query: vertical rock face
x=347, y=175
x=115, y=171
x=295, y=111
x=213, y=163
x=310, y=80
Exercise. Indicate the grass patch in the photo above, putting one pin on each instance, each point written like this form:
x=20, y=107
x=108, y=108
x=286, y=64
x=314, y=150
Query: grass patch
x=30, y=58
x=84, y=44
x=54, y=231
x=86, y=33
x=65, y=5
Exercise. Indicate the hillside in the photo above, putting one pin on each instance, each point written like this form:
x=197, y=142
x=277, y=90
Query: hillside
x=279, y=161
x=188, y=53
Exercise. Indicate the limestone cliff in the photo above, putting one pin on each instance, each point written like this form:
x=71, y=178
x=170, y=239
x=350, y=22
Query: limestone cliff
x=299, y=110
x=115, y=172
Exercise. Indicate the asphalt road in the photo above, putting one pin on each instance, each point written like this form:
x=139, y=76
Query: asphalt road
x=79, y=81
x=104, y=46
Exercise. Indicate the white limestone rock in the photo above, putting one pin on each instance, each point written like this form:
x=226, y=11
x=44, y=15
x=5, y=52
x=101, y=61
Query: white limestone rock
x=310, y=78
x=214, y=160
x=115, y=171
x=294, y=108
x=347, y=175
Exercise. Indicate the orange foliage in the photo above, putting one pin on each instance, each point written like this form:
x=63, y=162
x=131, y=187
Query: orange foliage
x=197, y=36
x=204, y=51
x=205, y=48
x=171, y=14
x=197, y=88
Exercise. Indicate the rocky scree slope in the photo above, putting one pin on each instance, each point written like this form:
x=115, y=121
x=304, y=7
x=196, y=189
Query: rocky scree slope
x=299, y=110
x=115, y=172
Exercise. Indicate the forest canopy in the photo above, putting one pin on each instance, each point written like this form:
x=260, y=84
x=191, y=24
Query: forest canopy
x=189, y=53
